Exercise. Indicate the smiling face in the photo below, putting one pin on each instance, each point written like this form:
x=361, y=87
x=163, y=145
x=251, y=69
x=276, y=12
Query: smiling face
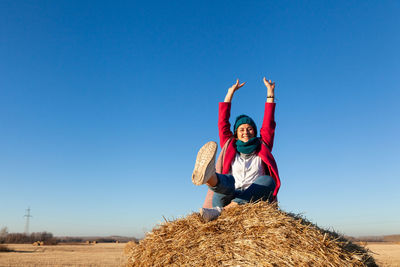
x=245, y=132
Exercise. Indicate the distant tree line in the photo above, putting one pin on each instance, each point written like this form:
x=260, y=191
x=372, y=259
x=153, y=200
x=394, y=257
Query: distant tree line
x=111, y=239
x=72, y=239
x=381, y=238
x=48, y=238
x=22, y=238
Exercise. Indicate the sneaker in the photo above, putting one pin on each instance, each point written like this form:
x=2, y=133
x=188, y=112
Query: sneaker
x=210, y=214
x=205, y=164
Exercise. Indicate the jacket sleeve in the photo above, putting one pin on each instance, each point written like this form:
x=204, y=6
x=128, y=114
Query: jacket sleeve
x=224, y=127
x=267, y=131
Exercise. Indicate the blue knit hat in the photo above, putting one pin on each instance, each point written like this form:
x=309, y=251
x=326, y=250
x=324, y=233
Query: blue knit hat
x=244, y=119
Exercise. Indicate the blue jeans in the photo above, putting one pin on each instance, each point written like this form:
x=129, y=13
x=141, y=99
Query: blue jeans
x=225, y=192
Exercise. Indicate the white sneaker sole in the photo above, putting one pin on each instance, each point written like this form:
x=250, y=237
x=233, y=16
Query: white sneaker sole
x=205, y=163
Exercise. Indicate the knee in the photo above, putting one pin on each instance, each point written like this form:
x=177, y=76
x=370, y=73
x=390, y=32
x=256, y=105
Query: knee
x=266, y=180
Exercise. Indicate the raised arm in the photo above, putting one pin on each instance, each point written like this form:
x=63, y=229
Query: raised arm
x=267, y=130
x=224, y=113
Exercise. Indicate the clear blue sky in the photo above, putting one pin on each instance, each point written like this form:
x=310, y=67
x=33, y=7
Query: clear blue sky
x=104, y=104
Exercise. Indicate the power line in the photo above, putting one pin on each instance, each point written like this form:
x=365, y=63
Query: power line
x=28, y=215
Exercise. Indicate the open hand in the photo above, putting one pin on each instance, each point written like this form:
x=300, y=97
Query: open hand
x=270, y=86
x=236, y=86
x=232, y=90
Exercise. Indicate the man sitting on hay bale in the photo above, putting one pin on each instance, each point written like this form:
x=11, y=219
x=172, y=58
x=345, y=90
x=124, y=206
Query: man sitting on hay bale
x=245, y=170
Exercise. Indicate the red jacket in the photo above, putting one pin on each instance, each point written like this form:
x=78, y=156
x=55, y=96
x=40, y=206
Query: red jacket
x=267, y=133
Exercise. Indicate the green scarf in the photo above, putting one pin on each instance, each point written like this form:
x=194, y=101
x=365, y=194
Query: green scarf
x=248, y=147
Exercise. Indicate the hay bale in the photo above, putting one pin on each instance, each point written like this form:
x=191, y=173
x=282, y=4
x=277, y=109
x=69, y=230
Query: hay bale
x=36, y=244
x=4, y=248
x=256, y=234
x=129, y=246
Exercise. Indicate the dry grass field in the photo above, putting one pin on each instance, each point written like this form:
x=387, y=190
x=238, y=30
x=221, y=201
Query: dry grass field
x=110, y=254
x=385, y=253
x=93, y=255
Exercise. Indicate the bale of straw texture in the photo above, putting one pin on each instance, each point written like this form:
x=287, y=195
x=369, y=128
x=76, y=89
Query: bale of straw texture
x=256, y=234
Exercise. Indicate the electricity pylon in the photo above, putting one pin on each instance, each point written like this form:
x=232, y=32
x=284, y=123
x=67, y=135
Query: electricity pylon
x=28, y=215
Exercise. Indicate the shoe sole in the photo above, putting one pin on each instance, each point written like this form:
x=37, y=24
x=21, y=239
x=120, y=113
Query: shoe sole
x=205, y=158
x=201, y=211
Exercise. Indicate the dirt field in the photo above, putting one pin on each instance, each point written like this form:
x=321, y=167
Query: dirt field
x=385, y=253
x=107, y=254
x=96, y=255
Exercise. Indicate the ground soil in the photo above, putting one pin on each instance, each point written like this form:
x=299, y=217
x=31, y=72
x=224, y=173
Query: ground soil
x=385, y=253
x=111, y=254
x=93, y=255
